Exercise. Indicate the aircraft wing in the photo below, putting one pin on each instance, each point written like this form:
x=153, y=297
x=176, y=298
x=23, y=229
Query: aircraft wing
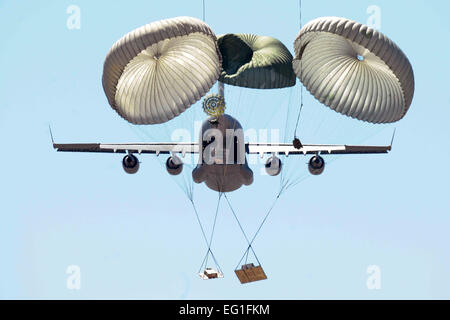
x=288, y=149
x=155, y=148
x=189, y=147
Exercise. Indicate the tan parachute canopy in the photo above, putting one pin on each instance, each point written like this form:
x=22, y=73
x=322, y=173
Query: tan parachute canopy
x=353, y=69
x=157, y=71
x=257, y=62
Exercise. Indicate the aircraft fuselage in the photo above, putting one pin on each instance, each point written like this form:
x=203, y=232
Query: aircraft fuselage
x=222, y=162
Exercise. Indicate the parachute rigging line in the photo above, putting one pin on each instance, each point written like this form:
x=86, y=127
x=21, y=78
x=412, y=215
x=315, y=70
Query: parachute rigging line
x=203, y=10
x=301, y=70
x=245, y=235
x=257, y=232
x=214, y=228
x=282, y=189
x=215, y=261
x=246, y=253
x=287, y=116
x=265, y=218
x=199, y=222
x=189, y=188
x=205, y=238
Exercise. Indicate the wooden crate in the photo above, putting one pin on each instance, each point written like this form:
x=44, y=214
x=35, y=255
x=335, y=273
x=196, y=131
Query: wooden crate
x=249, y=273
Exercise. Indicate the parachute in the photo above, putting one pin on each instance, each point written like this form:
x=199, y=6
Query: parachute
x=354, y=69
x=257, y=62
x=157, y=71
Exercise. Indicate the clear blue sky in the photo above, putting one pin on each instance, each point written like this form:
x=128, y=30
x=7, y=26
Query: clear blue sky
x=137, y=237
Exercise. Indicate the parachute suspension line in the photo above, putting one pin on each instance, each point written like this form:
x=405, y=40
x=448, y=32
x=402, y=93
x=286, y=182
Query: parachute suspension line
x=203, y=10
x=238, y=105
x=245, y=236
x=250, y=101
x=237, y=220
x=234, y=102
x=284, y=183
x=204, y=264
x=291, y=183
x=284, y=176
x=299, y=111
x=199, y=222
x=213, y=229
x=295, y=182
x=189, y=188
x=273, y=113
x=265, y=218
x=287, y=115
x=301, y=73
x=184, y=183
x=257, y=232
x=186, y=187
x=205, y=238
x=283, y=188
x=250, y=247
x=300, y=13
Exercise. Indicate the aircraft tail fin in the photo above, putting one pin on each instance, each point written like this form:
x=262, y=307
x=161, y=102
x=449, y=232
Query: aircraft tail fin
x=51, y=134
x=392, y=139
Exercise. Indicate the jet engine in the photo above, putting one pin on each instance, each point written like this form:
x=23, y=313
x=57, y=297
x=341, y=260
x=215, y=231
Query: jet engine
x=273, y=166
x=174, y=165
x=130, y=164
x=316, y=165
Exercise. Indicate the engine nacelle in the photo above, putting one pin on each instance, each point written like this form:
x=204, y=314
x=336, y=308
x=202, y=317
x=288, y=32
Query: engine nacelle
x=130, y=164
x=316, y=165
x=174, y=165
x=273, y=166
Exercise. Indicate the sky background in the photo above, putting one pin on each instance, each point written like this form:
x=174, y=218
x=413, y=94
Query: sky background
x=136, y=236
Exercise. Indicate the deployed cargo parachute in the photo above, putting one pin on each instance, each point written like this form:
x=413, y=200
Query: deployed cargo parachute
x=157, y=71
x=258, y=62
x=354, y=69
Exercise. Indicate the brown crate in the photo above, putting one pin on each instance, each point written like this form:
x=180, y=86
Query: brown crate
x=250, y=274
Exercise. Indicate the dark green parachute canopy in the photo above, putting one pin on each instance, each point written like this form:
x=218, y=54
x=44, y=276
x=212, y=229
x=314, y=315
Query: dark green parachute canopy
x=257, y=62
